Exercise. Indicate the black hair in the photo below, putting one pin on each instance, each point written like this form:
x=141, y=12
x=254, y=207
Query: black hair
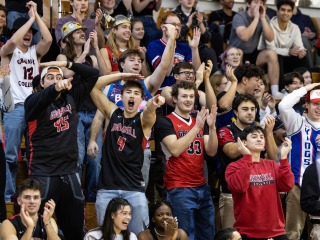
x=284, y=2
x=127, y=53
x=152, y=213
x=288, y=78
x=29, y=183
x=184, y=85
x=107, y=228
x=3, y=8
x=225, y=234
x=248, y=130
x=248, y=71
x=132, y=83
x=301, y=70
x=243, y=98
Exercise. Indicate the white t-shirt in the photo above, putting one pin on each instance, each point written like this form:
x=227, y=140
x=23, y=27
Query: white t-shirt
x=96, y=234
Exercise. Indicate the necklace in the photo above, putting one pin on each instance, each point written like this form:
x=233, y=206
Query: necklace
x=160, y=235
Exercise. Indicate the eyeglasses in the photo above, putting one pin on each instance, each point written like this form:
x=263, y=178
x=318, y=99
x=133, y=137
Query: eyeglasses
x=233, y=54
x=179, y=25
x=187, y=73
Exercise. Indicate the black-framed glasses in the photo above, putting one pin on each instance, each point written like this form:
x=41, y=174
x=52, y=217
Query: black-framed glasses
x=175, y=24
x=188, y=73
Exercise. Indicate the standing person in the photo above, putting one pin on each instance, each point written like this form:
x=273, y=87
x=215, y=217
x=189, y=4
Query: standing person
x=183, y=52
x=303, y=131
x=79, y=14
x=255, y=184
x=4, y=30
x=310, y=194
x=52, y=118
x=247, y=27
x=126, y=137
x=23, y=58
x=244, y=108
x=77, y=50
x=29, y=224
x=115, y=223
x=143, y=10
x=17, y=9
x=184, y=139
x=162, y=224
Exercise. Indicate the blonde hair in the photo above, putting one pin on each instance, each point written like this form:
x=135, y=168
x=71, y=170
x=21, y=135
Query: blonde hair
x=112, y=43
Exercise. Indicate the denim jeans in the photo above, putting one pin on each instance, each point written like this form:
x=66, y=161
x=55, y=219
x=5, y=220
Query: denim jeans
x=195, y=212
x=137, y=200
x=14, y=127
x=67, y=193
x=151, y=32
x=13, y=15
x=146, y=166
x=92, y=165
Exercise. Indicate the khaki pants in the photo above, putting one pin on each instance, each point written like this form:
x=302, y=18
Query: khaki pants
x=295, y=217
x=315, y=233
x=226, y=210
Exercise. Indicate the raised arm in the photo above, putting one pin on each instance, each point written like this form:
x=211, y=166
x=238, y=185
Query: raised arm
x=266, y=28
x=148, y=117
x=154, y=81
x=225, y=102
x=271, y=146
x=211, y=140
x=12, y=43
x=44, y=44
x=194, y=44
x=211, y=98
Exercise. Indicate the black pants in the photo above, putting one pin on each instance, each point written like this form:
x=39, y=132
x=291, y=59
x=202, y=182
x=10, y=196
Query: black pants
x=282, y=237
x=3, y=212
x=67, y=193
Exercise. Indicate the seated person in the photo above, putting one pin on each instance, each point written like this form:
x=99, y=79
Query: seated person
x=287, y=42
x=255, y=184
x=115, y=223
x=29, y=224
x=162, y=224
x=227, y=234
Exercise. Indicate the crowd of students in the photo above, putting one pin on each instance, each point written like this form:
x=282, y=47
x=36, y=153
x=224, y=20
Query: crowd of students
x=122, y=94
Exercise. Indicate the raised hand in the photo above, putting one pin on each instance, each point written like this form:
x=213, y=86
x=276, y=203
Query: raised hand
x=25, y=217
x=242, y=148
x=86, y=48
x=211, y=119
x=131, y=76
x=99, y=15
x=170, y=31
x=269, y=123
x=158, y=100
x=64, y=84
x=93, y=36
x=201, y=118
x=207, y=71
x=48, y=211
x=200, y=74
x=230, y=74
x=171, y=228
x=311, y=86
x=194, y=42
x=286, y=148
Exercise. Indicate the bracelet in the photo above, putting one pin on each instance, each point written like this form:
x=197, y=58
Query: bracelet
x=45, y=226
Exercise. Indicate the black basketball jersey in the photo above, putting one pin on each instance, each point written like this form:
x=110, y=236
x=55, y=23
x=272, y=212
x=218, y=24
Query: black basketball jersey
x=39, y=231
x=122, y=157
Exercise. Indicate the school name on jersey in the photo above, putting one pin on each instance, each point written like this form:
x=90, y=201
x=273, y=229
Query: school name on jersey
x=124, y=129
x=26, y=61
x=182, y=133
x=59, y=112
x=261, y=179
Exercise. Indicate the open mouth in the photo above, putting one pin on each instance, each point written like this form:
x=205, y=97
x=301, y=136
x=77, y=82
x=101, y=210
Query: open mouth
x=130, y=104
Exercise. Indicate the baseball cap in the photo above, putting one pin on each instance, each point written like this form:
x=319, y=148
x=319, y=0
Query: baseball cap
x=51, y=69
x=313, y=96
x=19, y=22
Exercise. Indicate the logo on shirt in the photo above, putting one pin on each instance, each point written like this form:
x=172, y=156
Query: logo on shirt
x=59, y=112
x=261, y=179
x=124, y=129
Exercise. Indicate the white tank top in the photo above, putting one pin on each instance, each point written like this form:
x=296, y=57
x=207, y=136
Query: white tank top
x=24, y=67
